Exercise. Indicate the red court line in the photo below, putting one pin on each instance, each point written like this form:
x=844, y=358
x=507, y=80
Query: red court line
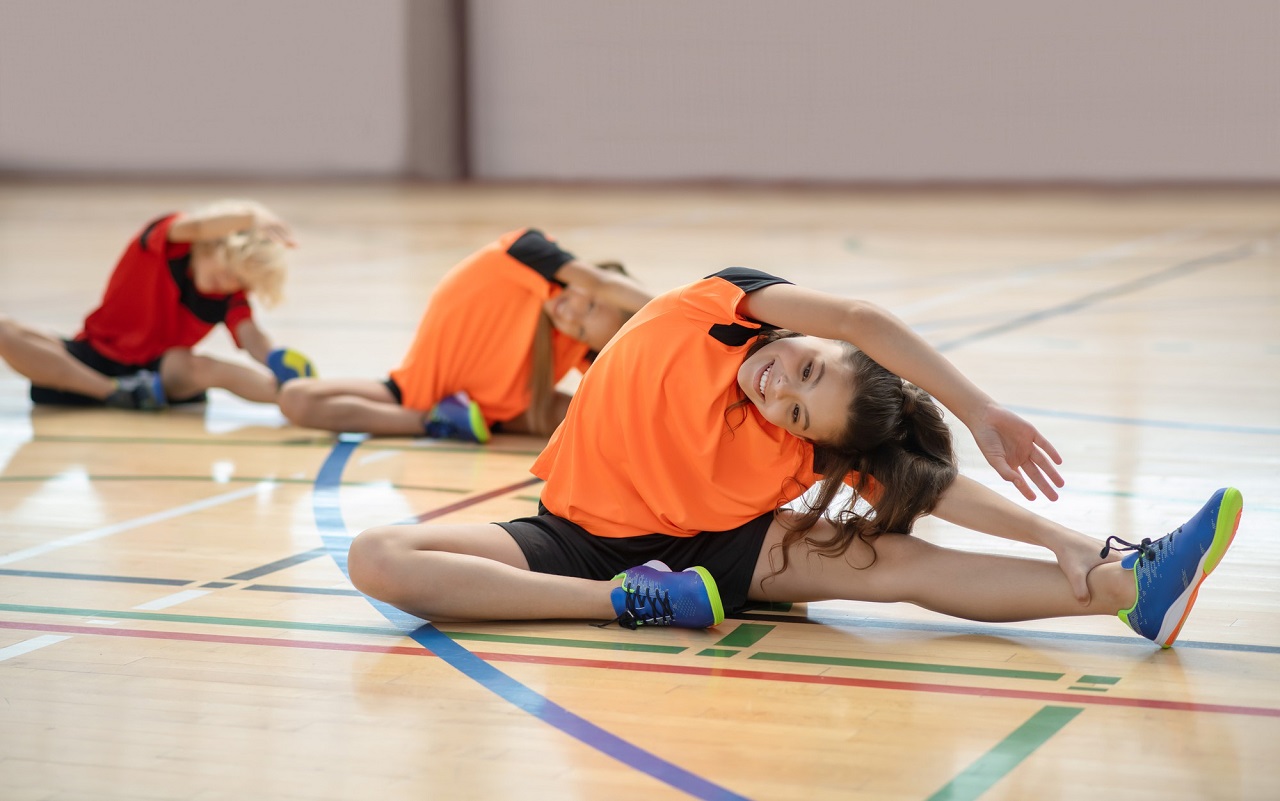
x=475, y=499
x=687, y=670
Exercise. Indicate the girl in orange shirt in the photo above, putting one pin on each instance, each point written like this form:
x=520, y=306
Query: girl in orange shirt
x=704, y=416
x=500, y=330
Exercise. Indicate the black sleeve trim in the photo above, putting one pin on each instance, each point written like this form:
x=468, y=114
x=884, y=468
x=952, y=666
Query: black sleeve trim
x=748, y=280
x=207, y=309
x=539, y=254
x=146, y=232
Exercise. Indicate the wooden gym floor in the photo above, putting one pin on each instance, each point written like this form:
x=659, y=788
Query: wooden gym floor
x=175, y=622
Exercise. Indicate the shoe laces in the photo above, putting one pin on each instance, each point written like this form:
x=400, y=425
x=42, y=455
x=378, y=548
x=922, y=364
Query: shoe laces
x=1151, y=550
x=656, y=610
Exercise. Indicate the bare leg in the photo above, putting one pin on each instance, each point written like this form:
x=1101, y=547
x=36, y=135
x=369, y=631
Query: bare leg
x=185, y=374
x=43, y=359
x=467, y=572
x=348, y=404
x=967, y=585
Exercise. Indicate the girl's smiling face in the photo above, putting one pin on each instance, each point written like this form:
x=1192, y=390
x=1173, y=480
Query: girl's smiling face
x=801, y=384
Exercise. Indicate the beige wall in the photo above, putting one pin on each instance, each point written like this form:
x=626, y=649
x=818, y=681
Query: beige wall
x=818, y=90
x=810, y=90
x=242, y=87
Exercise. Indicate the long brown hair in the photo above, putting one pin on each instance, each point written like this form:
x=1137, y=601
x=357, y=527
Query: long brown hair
x=896, y=443
x=542, y=380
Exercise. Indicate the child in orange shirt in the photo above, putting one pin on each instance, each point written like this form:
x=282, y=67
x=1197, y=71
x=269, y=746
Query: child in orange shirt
x=704, y=416
x=180, y=277
x=500, y=330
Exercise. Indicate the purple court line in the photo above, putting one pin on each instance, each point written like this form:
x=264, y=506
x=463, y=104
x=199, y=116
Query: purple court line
x=327, y=508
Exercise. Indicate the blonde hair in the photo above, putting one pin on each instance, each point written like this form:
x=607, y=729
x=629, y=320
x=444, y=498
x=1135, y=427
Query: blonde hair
x=256, y=261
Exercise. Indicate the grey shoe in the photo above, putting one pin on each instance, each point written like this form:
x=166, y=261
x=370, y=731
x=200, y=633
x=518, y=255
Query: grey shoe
x=141, y=390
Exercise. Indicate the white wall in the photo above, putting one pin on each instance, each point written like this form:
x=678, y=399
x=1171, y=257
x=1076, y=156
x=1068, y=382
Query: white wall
x=876, y=90
x=809, y=90
x=241, y=87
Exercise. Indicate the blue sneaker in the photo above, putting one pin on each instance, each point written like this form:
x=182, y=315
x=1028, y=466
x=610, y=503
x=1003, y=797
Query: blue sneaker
x=141, y=390
x=457, y=417
x=1169, y=571
x=652, y=595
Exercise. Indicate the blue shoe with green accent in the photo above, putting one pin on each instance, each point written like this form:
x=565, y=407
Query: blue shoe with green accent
x=652, y=595
x=1168, y=572
x=457, y=417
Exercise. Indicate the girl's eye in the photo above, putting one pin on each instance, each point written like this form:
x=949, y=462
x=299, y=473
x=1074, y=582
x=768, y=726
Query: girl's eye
x=807, y=368
x=795, y=414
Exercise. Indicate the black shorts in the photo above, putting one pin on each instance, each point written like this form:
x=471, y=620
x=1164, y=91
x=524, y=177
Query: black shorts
x=557, y=546
x=85, y=354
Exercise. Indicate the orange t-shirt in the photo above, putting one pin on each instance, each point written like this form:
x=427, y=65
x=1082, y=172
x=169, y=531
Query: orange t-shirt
x=647, y=446
x=477, y=332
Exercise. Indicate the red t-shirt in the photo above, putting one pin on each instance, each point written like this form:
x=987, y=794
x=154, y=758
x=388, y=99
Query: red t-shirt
x=647, y=446
x=476, y=334
x=151, y=303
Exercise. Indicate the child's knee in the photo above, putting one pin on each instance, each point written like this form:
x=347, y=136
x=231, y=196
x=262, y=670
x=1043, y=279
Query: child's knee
x=296, y=401
x=371, y=560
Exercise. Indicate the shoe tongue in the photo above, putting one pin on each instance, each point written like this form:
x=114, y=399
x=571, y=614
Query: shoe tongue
x=1128, y=562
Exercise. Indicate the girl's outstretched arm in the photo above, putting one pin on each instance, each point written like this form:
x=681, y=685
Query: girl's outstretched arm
x=1017, y=451
x=612, y=288
x=223, y=219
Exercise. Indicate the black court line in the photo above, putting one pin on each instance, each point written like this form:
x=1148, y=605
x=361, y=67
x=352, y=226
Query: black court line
x=279, y=564
x=1093, y=298
x=94, y=577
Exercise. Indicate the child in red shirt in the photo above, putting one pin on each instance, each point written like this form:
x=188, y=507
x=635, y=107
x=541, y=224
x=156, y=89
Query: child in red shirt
x=180, y=277
x=500, y=330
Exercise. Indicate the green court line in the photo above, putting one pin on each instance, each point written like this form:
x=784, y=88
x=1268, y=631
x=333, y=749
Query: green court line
x=1098, y=680
x=608, y=646
x=745, y=635
x=718, y=652
x=994, y=765
x=1090, y=689
x=921, y=667
x=300, y=626
x=309, y=442
x=242, y=480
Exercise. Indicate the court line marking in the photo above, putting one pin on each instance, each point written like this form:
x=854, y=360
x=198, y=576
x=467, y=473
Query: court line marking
x=33, y=644
x=1029, y=273
x=137, y=522
x=1093, y=298
x=711, y=672
x=172, y=600
x=1217, y=428
x=332, y=529
x=1006, y=755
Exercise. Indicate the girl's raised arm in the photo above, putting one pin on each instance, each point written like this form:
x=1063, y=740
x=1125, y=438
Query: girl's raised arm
x=1011, y=445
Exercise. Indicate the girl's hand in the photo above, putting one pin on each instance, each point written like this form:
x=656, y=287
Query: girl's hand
x=272, y=227
x=1012, y=444
x=1077, y=557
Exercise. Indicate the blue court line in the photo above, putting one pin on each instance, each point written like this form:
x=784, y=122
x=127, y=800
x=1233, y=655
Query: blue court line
x=1217, y=428
x=999, y=631
x=333, y=531
x=1071, y=306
